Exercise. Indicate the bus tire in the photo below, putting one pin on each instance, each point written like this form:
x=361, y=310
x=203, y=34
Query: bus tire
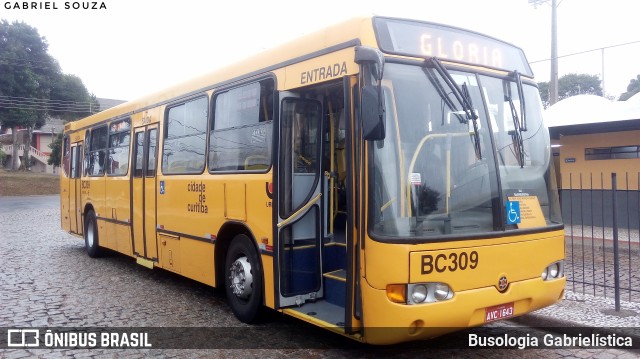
x=91, y=242
x=243, y=279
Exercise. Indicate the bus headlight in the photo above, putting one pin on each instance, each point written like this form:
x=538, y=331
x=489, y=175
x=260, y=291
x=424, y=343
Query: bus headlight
x=428, y=293
x=553, y=271
x=441, y=291
x=419, y=293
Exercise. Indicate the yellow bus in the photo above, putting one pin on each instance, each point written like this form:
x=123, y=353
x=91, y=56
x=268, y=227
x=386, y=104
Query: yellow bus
x=387, y=179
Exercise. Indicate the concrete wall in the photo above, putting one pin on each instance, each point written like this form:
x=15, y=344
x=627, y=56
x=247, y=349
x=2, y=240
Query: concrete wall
x=595, y=208
x=576, y=172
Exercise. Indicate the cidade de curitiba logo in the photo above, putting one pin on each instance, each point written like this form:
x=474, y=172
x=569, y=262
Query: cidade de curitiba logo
x=65, y=338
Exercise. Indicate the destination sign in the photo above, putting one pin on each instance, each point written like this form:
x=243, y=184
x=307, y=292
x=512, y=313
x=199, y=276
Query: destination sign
x=414, y=38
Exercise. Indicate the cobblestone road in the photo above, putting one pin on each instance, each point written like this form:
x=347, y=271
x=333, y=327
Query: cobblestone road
x=589, y=263
x=47, y=280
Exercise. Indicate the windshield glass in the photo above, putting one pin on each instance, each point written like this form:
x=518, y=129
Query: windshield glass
x=436, y=174
x=536, y=176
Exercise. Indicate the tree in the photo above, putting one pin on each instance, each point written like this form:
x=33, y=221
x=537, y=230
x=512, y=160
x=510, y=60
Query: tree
x=70, y=99
x=32, y=86
x=572, y=85
x=27, y=71
x=56, y=150
x=632, y=89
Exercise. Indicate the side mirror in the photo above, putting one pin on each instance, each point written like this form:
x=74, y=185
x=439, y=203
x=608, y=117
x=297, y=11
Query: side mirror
x=373, y=122
x=372, y=109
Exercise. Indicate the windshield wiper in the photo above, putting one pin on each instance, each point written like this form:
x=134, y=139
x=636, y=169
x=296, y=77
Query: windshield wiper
x=476, y=133
x=518, y=126
x=463, y=96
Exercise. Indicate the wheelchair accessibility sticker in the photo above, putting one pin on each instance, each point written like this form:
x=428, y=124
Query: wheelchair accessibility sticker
x=525, y=211
x=513, y=212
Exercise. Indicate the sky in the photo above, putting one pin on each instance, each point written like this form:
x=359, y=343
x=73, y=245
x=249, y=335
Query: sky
x=136, y=47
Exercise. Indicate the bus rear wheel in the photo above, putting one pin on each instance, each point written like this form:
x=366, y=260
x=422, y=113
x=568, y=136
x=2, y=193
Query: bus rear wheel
x=91, y=235
x=243, y=279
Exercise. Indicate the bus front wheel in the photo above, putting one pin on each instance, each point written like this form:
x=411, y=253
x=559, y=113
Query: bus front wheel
x=243, y=279
x=91, y=235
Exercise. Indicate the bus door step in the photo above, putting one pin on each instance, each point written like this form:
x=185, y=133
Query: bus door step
x=145, y=262
x=335, y=284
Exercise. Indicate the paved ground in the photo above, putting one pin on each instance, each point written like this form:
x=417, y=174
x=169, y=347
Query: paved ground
x=590, y=262
x=46, y=279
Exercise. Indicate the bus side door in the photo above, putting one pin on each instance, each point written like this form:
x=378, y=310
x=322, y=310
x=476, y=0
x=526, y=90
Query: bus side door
x=300, y=202
x=75, y=188
x=65, y=181
x=143, y=192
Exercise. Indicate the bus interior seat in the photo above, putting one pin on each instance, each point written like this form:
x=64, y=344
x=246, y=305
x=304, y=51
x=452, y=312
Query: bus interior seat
x=256, y=162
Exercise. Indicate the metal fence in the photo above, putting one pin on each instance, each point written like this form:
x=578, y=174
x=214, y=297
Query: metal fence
x=602, y=235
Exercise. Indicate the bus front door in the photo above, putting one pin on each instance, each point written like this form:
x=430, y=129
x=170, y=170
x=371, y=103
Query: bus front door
x=143, y=193
x=300, y=202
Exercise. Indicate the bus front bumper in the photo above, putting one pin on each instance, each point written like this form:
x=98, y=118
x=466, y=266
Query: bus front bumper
x=387, y=322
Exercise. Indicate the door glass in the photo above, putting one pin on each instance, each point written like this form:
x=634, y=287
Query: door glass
x=139, y=154
x=300, y=153
x=300, y=260
x=78, y=168
x=74, y=154
x=151, y=157
x=65, y=155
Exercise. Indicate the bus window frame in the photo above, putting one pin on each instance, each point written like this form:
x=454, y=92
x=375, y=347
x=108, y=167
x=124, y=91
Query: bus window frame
x=66, y=155
x=146, y=160
x=274, y=122
x=462, y=236
x=134, y=155
x=88, y=151
x=109, y=134
x=165, y=133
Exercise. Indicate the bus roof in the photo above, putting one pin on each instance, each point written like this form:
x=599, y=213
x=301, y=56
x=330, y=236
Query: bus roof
x=356, y=31
x=401, y=37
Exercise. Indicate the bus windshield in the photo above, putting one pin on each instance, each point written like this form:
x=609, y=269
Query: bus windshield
x=453, y=176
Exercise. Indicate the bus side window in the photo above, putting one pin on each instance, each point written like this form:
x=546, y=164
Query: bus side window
x=65, y=156
x=185, y=137
x=97, y=151
x=241, y=131
x=119, y=138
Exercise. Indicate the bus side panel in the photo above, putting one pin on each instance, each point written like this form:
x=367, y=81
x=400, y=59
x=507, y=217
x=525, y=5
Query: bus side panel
x=259, y=220
x=196, y=260
x=117, y=209
x=93, y=194
x=269, y=285
x=189, y=214
x=195, y=207
x=65, y=220
x=98, y=200
x=123, y=239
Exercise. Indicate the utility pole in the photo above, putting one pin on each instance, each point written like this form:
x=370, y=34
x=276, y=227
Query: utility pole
x=553, y=80
x=553, y=83
x=603, y=91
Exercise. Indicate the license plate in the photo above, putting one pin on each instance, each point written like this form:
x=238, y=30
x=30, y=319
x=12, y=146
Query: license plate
x=498, y=312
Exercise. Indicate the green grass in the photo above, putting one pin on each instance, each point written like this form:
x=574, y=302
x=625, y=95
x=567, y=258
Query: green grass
x=22, y=183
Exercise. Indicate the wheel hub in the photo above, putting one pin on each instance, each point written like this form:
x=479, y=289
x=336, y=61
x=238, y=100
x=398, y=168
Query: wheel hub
x=241, y=278
x=90, y=234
